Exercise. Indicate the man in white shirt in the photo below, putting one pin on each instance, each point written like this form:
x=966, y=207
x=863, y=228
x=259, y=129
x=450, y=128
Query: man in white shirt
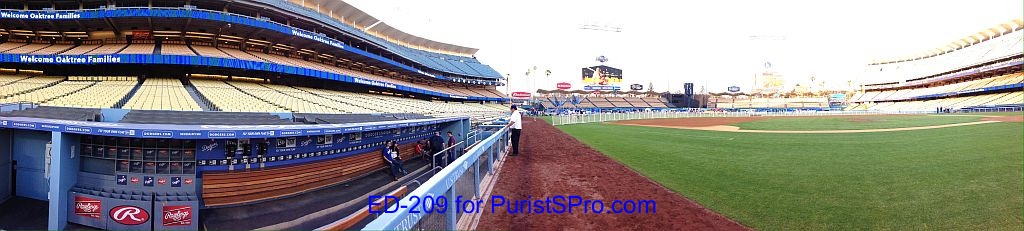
x=515, y=123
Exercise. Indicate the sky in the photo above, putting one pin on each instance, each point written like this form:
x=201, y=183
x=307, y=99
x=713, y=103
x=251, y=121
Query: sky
x=713, y=44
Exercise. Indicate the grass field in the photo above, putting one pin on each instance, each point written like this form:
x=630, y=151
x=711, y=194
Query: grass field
x=853, y=123
x=960, y=178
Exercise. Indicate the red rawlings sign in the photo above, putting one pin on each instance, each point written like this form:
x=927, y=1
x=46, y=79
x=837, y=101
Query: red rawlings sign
x=88, y=207
x=563, y=86
x=177, y=215
x=129, y=215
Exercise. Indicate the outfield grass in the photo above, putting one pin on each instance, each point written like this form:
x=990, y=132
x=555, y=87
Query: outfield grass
x=854, y=123
x=958, y=178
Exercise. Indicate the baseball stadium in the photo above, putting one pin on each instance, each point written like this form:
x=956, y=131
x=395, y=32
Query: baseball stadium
x=325, y=115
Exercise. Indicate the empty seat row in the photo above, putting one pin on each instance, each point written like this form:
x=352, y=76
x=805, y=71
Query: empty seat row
x=162, y=94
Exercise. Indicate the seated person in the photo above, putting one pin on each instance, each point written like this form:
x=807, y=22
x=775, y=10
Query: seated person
x=398, y=158
x=392, y=160
x=419, y=148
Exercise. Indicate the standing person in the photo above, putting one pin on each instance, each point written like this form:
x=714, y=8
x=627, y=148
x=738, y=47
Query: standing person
x=436, y=146
x=515, y=124
x=451, y=151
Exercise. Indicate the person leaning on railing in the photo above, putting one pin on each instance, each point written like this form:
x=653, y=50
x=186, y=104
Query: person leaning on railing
x=515, y=125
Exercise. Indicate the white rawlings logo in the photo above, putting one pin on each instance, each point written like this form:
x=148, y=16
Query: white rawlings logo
x=123, y=213
x=176, y=215
x=87, y=207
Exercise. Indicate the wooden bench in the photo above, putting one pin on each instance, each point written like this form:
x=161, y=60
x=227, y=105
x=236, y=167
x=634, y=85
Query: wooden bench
x=222, y=188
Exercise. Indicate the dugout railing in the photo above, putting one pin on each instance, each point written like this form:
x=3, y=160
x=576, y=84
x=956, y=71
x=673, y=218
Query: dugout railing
x=565, y=119
x=463, y=177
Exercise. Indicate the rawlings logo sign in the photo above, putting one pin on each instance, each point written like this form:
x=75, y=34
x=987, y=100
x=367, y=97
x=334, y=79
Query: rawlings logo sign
x=129, y=215
x=178, y=215
x=87, y=207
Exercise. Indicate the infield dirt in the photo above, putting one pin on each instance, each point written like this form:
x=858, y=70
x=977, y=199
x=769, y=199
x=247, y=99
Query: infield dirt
x=553, y=163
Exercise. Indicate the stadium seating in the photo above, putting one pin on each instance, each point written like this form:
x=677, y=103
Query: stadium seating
x=4, y=47
x=758, y=102
x=608, y=101
x=30, y=48
x=229, y=98
x=239, y=54
x=10, y=78
x=82, y=49
x=46, y=94
x=162, y=94
x=113, y=92
x=210, y=51
x=879, y=99
x=961, y=76
x=175, y=49
x=1005, y=45
x=53, y=49
x=109, y=49
x=139, y=48
x=206, y=49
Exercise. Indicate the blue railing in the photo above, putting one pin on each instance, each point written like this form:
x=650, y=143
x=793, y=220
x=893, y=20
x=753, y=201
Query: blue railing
x=461, y=178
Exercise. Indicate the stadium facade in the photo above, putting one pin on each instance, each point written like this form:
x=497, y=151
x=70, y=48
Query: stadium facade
x=163, y=115
x=979, y=72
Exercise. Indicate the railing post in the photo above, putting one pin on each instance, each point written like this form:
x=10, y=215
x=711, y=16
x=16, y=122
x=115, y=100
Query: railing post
x=490, y=159
x=451, y=215
x=476, y=178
